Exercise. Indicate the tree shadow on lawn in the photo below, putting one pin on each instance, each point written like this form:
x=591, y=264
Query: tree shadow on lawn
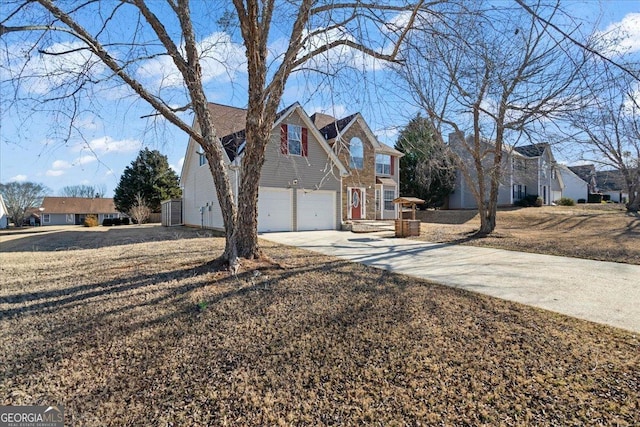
x=99, y=238
x=326, y=332
x=156, y=287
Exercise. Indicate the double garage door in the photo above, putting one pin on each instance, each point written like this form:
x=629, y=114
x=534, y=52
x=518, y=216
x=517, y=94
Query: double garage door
x=316, y=210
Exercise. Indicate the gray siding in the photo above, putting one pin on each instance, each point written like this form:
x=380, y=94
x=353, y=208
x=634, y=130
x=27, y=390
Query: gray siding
x=314, y=172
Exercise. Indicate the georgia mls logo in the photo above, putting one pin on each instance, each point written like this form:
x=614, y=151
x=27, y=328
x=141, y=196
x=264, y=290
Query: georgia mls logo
x=31, y=416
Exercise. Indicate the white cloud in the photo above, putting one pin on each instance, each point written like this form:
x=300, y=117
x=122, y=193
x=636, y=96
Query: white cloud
x=18, y=178
x=43, y=73
x=399, y=22
x=220, y=57
x=341, y=55
x=52, y=172
x=107, y=144
x=61, y=164
x=177, y=168
x=83, y=160
x=623, y=36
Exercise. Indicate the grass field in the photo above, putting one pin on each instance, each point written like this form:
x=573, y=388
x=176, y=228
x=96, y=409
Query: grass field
x=129, y=326
x=601, y=232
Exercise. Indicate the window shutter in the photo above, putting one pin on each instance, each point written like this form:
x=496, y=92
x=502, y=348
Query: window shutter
x=284, y=142
x=392, y=164
x=305, y=144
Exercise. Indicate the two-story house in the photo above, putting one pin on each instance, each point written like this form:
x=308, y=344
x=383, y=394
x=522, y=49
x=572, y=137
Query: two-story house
x=526, y=170
x=318, y=172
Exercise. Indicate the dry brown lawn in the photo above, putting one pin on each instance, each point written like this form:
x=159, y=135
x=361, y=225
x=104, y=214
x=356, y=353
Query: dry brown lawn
x=131, y=327
x=599, y=232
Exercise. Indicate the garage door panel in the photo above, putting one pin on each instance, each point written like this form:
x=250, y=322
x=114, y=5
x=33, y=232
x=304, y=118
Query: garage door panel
x=274, y=210
x=316, y=210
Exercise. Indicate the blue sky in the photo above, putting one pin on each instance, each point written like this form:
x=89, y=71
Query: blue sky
x=112, y=127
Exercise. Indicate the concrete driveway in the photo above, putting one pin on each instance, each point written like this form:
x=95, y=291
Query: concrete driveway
x=603, y=292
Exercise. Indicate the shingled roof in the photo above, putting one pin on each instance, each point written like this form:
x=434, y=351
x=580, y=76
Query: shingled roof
x=533, y=150
x=78, y=205
x=611, y=180
x=321, y=120
x=230, y=124
x=331, y=130
x=585, y=172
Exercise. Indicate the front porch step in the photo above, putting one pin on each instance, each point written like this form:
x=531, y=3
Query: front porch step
x=369, y=226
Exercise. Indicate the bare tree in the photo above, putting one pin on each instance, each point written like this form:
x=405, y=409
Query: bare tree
x=140, y=211
x=83, y=191
x=608, y=129
x=20, y=197
x=497, y=75
x=171, y=30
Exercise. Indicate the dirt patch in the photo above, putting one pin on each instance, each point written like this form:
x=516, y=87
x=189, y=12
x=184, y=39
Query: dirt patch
x=599, y=232
x=144, y=333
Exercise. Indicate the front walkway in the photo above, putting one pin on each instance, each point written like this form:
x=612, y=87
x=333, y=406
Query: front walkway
x=603, y=292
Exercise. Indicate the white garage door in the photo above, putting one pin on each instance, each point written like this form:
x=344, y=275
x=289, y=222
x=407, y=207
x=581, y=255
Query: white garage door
x=316, y=210
x=274, y=210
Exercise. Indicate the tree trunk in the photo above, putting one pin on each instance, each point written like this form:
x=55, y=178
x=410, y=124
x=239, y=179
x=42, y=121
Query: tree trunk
x=258, y=134
x=634, y=198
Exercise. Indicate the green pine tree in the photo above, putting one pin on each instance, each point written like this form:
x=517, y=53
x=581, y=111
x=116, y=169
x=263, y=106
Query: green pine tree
x=427, y=170
x=150, y=176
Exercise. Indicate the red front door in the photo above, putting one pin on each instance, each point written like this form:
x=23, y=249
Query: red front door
x=356, y=203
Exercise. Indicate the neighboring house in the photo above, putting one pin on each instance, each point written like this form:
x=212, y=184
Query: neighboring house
x=299, y=187
x=541, y=172
x=4, y=217
x=588, y=174
x=74, y=210
x=611, y=183
x=575, y=187
x=373, y=181
x=526, y=170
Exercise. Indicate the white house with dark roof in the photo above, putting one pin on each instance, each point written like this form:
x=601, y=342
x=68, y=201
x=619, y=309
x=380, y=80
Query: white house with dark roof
x=611, y=183
x=575, y=187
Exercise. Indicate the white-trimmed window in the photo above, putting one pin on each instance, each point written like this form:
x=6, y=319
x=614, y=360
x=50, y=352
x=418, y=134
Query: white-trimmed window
x=202, y=159
x=356, y=152
x=293, y=140
x=383, y=164
x=71, y=218
x=389, y=195
x=46, y=218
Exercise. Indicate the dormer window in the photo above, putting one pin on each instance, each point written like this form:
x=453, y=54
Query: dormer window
x=356, y=152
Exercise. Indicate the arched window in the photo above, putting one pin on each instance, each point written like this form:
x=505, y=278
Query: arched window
x=357, y=153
